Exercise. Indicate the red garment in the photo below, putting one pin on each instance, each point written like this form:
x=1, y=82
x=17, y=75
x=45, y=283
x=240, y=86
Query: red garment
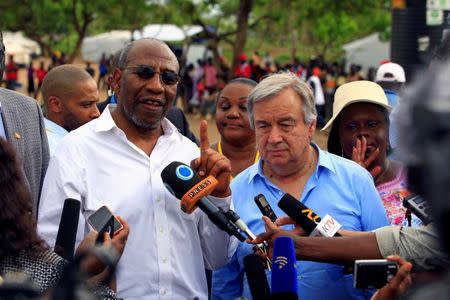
x=210, y=76
x=11, y=71
x=40, y=74
x=243, y=70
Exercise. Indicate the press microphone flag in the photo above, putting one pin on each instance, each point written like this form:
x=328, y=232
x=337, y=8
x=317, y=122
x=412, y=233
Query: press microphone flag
x=284, y=273
x=308, y=219
x=186, y=185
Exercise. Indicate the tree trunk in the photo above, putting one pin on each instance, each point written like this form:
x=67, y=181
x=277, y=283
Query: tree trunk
x=241, y=36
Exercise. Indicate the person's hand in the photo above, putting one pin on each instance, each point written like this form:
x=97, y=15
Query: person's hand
x=212, y=163
x=119, y=239
x=398, y=284
x=359, y=156
x=91, y=264
x=273, y=232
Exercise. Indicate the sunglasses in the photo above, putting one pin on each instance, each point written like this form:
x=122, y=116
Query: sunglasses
x=147, y=72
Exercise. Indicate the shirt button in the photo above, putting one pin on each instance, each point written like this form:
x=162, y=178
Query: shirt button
x=158, y=200
x=164, y=260
x=163, y=292
x=161, y=230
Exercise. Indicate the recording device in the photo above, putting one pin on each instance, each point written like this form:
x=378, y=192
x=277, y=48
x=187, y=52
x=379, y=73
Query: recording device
x=67, y=231
x=307, y=218
x=284, y=273
x=186, y=185
x=265, y=207
x=256, y=277
x=103, y=220
x=373, y=273
x=418, y=206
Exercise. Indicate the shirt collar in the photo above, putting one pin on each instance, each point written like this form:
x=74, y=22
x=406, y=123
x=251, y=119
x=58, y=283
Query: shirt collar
x=105, y=122
x=323, y=162
x=55, y=128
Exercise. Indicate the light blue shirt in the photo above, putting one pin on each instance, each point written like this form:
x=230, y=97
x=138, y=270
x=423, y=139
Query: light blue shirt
x=2, y=127
x=393, y=99
x=338, y=187
x=55, y=134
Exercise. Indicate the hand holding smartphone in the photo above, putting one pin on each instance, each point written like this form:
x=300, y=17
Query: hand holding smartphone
x=103, y=220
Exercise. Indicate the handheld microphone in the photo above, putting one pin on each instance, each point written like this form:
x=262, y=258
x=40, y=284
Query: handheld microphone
x=308, y=219
x=256, y=277
x=185, y=184
x=67, y=231
x=284, y=273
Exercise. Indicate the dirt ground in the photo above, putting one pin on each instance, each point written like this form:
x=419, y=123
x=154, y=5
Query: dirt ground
x=320, y=138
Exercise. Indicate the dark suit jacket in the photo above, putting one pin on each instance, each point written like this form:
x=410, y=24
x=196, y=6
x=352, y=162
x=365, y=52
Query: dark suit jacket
x=25, y=130
x=174, y=114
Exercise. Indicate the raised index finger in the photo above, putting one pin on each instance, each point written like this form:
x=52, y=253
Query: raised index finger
x=204, y=139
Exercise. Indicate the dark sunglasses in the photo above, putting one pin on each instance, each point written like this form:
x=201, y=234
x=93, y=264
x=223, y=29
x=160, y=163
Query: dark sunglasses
x=147, y=72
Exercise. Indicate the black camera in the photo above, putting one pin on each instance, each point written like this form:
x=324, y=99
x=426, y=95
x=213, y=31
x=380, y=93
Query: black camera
x=418, y=206
x=373, y=273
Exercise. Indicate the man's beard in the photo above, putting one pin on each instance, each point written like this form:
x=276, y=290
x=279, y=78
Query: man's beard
x=140, y=123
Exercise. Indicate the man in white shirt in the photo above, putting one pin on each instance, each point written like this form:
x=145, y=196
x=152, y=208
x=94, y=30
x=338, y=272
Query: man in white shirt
x=70, y=98
x=117, y=159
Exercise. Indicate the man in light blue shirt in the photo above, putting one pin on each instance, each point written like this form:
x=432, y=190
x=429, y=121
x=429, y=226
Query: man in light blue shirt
x=282, y=111
x=70, y=98
x=391, y=77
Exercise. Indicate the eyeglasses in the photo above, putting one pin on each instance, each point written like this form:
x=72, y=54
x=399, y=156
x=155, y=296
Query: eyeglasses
x=147, y=72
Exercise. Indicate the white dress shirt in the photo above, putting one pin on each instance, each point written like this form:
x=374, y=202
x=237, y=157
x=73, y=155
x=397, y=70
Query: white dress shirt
x=55, y=134
x=167, y=250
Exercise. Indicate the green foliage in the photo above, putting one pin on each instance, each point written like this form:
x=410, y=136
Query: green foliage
x=303, y=27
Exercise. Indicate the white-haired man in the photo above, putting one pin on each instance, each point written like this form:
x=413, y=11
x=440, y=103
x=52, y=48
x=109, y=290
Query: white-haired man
x=282, y=111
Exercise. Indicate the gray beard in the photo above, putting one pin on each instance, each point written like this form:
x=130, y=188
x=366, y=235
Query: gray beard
x=140, y=124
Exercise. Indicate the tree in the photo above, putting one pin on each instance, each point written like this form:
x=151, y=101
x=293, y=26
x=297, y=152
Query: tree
x=48, y=22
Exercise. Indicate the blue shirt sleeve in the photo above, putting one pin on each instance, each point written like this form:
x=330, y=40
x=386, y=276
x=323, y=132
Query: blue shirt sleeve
x=373, y=213
x=227, y=281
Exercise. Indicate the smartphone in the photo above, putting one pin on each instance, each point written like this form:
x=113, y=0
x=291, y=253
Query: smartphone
x=418, y=206
x=373, y=273
x=265, y=207
x=102, y=220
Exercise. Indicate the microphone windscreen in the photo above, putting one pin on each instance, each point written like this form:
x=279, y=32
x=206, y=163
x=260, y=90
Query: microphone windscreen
x=297, y=211
x=67, y=231
x=179, y=178
x=256, y=277
x=284, y=272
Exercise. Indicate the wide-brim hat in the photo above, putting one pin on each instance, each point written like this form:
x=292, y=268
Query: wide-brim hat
x=357, y=91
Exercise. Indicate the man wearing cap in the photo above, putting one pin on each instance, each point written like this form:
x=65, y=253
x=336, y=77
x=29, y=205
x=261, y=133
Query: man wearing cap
x=391, y=77
x=282, y=112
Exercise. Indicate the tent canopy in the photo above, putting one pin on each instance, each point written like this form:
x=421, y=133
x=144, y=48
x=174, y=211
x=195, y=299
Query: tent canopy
x=167, y=32
x=20, y=46
x=367, y=52
x=108, y=43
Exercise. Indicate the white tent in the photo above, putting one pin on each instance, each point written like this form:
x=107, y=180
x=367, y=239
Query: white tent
x=367, y=52
x=167, y=32
x=20, y=46
x=109, y=42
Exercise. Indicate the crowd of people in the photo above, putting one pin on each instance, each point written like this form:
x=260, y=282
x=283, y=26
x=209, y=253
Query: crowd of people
x=113, y=153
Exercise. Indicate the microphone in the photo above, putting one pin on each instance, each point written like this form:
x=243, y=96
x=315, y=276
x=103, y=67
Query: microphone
x=284, y=273
x=67, y=231
x=307, y=218
x=256, y=277
x=185, y=184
